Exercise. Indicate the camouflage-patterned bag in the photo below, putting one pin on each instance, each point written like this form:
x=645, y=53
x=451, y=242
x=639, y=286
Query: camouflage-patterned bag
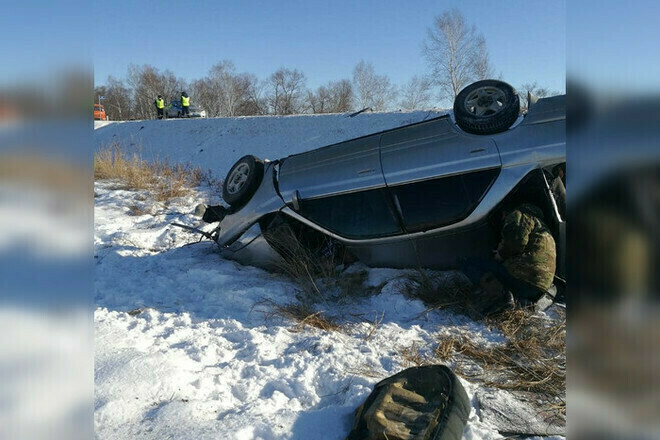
x=420, y=403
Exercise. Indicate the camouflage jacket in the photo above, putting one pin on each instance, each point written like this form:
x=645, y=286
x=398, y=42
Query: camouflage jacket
x=527, y=247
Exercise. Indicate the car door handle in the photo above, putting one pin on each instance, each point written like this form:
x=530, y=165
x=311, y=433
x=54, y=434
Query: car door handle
x=367, y=171
x=477, y=150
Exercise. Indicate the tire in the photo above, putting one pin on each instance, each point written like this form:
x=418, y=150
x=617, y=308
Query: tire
x=486, y=107
x=242, y=180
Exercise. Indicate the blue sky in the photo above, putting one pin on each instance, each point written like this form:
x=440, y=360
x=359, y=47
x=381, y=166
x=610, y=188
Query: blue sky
x=39, y=37
x=323, y=39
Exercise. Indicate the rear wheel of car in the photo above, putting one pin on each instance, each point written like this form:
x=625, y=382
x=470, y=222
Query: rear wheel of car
x=486, y=107
x=242, y=180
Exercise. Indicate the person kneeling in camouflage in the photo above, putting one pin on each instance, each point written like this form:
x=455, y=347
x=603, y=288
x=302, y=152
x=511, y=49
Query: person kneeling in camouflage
x=524, y=262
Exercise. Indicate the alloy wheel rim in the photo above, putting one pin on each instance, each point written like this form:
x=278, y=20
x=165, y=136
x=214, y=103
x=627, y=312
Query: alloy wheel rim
x=237, y=178
x=485, y=101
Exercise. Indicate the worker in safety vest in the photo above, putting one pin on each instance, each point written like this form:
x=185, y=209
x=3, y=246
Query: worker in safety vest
x=185, y=105
x=160, y=106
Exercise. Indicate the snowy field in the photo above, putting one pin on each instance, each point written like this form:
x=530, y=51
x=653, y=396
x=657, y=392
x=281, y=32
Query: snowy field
x=185, y=346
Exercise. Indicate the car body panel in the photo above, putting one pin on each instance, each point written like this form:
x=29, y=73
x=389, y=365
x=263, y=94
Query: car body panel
x=433, y=149
x=264, y=201
x=443, y=250
x=252, y=248
x=346, y=167
x=174, y=110
x=540, y=138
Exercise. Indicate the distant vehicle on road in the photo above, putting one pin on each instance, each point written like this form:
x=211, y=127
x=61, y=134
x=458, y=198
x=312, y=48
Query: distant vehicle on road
x=99, y=113
x=174, y=110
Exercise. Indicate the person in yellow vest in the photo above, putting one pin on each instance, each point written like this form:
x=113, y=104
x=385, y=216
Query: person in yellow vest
x=185, y=105
x=160, y=106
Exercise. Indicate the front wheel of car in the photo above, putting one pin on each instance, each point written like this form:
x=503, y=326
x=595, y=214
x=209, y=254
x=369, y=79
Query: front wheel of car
x=242, y=180
x=486, y=107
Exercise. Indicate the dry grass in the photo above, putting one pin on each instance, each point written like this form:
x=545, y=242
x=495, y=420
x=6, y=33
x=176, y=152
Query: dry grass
x=163, y=180
x=319, y=280
x=367, y=371
x=420, y=284
x=316, y=273
x=136, y=210
x=301, y=264
x=414, y=357
x=446, y=348
x=532, y=359
x=303, y=315
x=374, y=326
x=439, y=291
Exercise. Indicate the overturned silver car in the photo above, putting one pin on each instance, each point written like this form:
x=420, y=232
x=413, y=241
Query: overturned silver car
x=421, y=195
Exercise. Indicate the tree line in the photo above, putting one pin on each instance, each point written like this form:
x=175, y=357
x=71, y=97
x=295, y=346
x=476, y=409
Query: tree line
x=455, y=52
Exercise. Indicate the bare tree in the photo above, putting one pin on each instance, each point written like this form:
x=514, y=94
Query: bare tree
x=372, y=90
x=483, y=69
x=456, y=53
x=416, y=94
x=231, y=88
x=147, y=83
x=117, y=100
x=319, y=101
x=335, y=97
x=342, y=93
x=206, y=97
x=255, y=102
x=99, y=91
x=223, y=92
x=286, y=91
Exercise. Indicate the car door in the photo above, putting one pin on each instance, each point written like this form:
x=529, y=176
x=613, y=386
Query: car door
x=437, y=175
x=341, y=188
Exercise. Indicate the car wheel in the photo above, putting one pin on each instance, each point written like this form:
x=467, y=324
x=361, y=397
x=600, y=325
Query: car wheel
x=242, y=180
x=486, y=107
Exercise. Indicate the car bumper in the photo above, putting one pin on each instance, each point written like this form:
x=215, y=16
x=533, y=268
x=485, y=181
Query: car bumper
x=265, y=200
x=253, y=249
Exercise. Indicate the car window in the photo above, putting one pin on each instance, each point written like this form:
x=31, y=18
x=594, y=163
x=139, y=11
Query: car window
x=364, y=214
x=439, y=202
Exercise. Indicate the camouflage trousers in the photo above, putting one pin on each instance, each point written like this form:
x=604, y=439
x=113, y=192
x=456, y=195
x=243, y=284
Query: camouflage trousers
x=476, y=267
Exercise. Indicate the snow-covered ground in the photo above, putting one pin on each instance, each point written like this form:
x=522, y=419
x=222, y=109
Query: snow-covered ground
x=216, y=143
x=185, y=345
